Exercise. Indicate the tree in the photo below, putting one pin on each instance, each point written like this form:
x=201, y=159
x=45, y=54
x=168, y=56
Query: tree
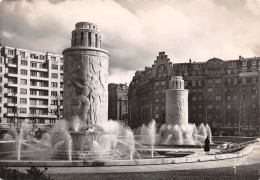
x=58, y=102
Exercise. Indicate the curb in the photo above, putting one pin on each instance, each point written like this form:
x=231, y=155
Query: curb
x=247, y=150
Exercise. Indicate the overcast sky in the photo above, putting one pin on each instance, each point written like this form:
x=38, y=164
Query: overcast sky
x=134, y=32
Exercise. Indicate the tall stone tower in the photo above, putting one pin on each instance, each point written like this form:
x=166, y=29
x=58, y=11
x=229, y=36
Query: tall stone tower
x=85, y=77
x=177, y=102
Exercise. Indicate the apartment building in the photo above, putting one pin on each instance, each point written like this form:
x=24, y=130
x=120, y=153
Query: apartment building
x=31, y=86
x=224, y=94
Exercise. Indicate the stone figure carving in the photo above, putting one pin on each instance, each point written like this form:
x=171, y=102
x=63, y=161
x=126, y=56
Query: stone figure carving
x=81, y=101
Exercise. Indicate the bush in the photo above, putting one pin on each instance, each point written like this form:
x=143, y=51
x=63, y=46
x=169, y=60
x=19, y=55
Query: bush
x=32, y=174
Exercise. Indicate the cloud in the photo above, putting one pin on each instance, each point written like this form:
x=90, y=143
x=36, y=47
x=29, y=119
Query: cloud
x=134, y=32
x=7, y=34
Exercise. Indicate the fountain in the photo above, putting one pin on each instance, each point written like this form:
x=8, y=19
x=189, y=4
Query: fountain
x=177, y=130
x=86, y=135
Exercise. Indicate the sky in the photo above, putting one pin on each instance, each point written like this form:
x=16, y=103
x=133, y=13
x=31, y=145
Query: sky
x=135, y=31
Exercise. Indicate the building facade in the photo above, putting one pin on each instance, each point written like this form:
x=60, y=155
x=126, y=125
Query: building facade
x=118, y=102
x=31, y=86
x=224, y=94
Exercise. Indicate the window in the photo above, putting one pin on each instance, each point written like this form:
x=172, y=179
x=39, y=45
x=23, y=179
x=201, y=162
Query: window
x=54, y=93
x=12, y=70
x=228, y=106
x=43, y=93
x=43, y=83
x=24, y=62
x=34, y=73
x=53, y=102
x=61, y=68
x=228, y=81
x=218, y=81
x=10, y=52
x=33, y=111
x=235, y=81
x=23, y=82
x=23, y=100
x=61, y=85
x=42, y=57
x=23, y=91
x=54, y=66
x=23, y=72
x=163, y=83
x=43, y=102
x=1, y=69
x=11, y=61
x=193, y=82
x=54, y=84
x=22, y=110
x=34, y=64
x=33, y=92
x=218, y=98
x=43, y=74
x=218, y=106
x=42, y=65
x=210, y=106
x=33, y=83
x=22, y=54
x=228, y=97
x=33, y=102
x=54, y=75
x=41, y=121
x=10, y=110
x=210, y=89
x=33, y=56
x=253, y=96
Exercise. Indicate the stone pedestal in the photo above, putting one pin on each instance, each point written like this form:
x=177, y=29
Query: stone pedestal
x=85, y=77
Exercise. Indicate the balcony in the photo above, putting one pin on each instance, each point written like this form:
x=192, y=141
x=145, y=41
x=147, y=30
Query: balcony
x=11, y=84
x=39, y=105
x=10, y=114
x=39, y=78
x=10, y=94
x=39, y=115
x=12, y=65
x=10, y=104
x=11, y=74
x=39, y=69
x=39, y=87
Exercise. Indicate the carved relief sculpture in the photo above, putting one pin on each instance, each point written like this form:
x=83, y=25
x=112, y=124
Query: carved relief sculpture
x=85, y=77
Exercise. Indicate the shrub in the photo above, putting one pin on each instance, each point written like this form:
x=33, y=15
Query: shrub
x=32, y=174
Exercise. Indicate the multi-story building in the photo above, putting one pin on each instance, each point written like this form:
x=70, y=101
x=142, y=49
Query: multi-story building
x=31, y=86
x=224, y=94
x=118, y=102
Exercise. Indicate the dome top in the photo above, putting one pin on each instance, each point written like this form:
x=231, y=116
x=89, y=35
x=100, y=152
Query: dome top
x=86, y=25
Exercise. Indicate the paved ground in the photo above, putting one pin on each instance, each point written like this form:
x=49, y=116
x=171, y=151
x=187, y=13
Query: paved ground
x=223, y=169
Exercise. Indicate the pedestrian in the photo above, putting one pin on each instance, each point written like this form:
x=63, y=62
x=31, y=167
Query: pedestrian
x=206, y=147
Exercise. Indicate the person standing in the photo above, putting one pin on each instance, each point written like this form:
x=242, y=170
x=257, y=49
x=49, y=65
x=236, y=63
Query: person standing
x=206, y=147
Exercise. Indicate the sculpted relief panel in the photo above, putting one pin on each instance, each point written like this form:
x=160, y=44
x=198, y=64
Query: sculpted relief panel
x=177, y=107
x=85, y=88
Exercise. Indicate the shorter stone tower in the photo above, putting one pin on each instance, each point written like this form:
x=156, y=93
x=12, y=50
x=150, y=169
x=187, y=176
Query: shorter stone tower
x=177, y=102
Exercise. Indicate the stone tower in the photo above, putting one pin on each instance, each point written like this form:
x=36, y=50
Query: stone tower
x=85, y=77
x=177, y=102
